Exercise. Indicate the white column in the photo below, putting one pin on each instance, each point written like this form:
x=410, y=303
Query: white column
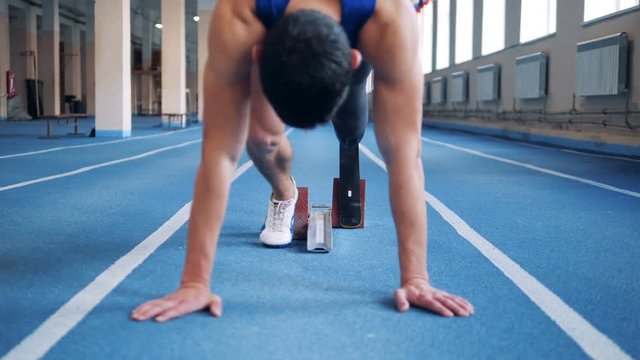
x=31, y=41
x=477, y=28
x=90, y=59
x=174, y=79
x=4, y=56
x=512, y=22
x=192, y=63
x=205, y=10
x=73, y=80
x=113, y=68
x=136, y=31
x=23, y=41
x=49, y=57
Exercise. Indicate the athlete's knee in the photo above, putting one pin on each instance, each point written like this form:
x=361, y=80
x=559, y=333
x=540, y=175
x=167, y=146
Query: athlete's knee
x=260, y=142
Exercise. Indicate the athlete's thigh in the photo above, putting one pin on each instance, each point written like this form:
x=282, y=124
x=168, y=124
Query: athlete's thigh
x=264, y=120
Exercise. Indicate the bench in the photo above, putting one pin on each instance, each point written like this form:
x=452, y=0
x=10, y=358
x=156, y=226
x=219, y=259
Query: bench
x=58, y=118
x=178, y=118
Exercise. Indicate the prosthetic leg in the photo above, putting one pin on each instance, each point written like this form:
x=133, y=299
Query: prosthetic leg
x=349, y=124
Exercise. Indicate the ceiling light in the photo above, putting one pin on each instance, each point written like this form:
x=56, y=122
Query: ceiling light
x=159, y=26
x=196, y=18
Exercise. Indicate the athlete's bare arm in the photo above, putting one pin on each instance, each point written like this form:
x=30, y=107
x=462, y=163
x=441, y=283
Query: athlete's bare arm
x=390, y=42
x=234, y=31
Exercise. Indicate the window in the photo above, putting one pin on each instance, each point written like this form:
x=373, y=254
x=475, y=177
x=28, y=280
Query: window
x=594, y=9
x=538, y=18
x=425, y=22
x=464, y=31
x=493, y=18
x=442, y=42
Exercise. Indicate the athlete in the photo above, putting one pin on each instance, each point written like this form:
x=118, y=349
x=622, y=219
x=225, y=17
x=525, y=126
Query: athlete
x=302, y=63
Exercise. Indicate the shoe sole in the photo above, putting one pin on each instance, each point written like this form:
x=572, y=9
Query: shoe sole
x=277, y=246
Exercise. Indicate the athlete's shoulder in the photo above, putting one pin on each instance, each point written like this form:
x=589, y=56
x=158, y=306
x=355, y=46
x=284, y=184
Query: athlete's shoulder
x=243, y=11
x=396, y=16
x=389, y=39
x=392, y=11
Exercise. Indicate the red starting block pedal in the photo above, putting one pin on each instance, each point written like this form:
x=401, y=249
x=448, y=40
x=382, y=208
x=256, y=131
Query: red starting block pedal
x=352, y=206
x=301, y=215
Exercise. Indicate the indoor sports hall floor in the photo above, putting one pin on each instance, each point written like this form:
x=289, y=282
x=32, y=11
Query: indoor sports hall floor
x=542, y=241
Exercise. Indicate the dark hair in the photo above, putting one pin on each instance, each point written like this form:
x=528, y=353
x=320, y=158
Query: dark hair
x=305, y=67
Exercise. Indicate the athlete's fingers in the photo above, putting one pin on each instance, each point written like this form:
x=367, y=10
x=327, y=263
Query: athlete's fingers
x=178, y=310
x=464, y=303
x=402, y=304
x=453, y=306
x=433, y=305
x=215, y=305
x=151, y=309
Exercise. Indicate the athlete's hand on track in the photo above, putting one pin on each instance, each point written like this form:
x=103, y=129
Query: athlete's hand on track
x=189, y=298
x=419, y=293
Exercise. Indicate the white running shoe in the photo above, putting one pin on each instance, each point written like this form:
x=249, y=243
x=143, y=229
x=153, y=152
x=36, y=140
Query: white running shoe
x=278, y=226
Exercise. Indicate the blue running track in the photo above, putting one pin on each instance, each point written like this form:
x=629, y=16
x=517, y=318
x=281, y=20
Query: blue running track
x=558, y=278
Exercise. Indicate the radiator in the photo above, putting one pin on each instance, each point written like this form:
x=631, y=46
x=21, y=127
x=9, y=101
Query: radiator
x=438, y=90
x=531, y=76
x=488, y=83
x=602, y=65
x=459, y=87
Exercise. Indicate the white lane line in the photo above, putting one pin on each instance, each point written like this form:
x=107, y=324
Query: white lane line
x=536, y=168
x=49, y=333
x=561, y=149
x=92, y=144
x=58, y=325
x=591, y=341
x=97, y=166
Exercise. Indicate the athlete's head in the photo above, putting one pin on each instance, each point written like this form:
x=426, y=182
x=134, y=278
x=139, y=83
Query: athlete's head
x=306, y=64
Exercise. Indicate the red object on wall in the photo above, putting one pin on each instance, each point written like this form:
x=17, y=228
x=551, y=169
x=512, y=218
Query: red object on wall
x=11, y=84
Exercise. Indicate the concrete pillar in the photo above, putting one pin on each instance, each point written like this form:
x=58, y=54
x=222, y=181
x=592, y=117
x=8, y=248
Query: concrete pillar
x=49, y=57
x=23, y=46
x=73, y=59
x=113, y=68
x=174, y=81
x=192, y=84
x=146, y=87
x=434, y=48
x=90, y=59
x=512, y=22
x=205, y=10
x=29, y=42
x=453, y=11
x=4, y=55
x=569, y=31
x=18, y=43
x=192, y=63
x=477, y=28
x=136, y=31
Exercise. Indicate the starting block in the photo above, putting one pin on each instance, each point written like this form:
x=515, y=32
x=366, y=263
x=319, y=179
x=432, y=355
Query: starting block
x=315, y=223
x=348, y=213
x=319, y=237
x=313, y=226
x=301, y=215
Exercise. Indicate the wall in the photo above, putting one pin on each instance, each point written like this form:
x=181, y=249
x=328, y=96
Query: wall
x=551, y=116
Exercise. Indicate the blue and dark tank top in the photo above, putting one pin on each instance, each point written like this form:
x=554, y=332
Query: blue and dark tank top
x=355, y=14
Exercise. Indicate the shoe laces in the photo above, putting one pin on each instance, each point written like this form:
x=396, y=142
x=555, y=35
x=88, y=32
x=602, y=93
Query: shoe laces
x=278, y=209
